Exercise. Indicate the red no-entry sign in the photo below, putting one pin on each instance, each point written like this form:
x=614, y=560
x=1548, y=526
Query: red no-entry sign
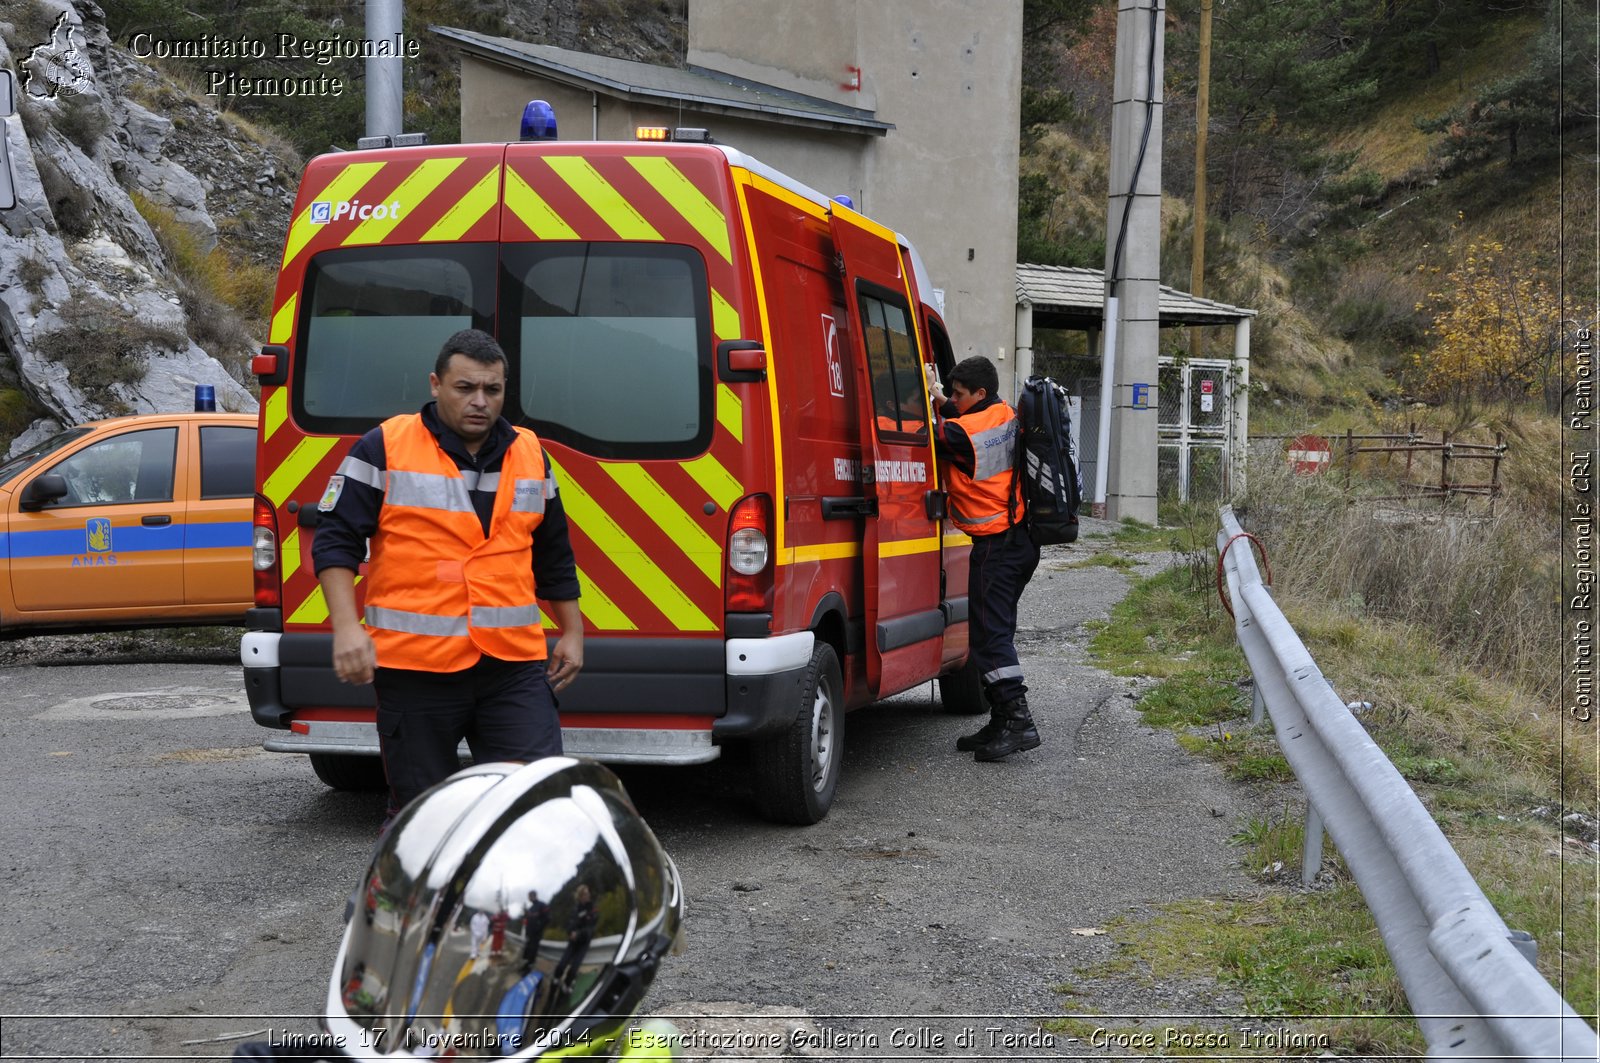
x=1309, y=454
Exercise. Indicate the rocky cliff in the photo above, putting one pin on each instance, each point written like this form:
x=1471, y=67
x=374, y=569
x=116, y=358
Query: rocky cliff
x=123, y=182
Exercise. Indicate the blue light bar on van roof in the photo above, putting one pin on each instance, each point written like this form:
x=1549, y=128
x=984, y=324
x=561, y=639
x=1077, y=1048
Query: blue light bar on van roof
x=846, y=200
x=538, y=121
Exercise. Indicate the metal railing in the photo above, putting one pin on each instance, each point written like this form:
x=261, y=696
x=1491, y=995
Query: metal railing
x=1470, y=980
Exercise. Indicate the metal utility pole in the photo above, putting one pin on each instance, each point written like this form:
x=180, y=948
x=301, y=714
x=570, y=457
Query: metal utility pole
x=1125, y=468
x=386, y=75
x=1202, y=119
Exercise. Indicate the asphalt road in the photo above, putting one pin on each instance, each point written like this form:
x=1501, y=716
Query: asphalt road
x=170, y=885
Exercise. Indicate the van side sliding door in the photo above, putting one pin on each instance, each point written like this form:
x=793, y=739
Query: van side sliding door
x=900, y=547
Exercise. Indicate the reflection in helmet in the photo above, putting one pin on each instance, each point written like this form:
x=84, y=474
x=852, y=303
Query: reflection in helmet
x=509, y=910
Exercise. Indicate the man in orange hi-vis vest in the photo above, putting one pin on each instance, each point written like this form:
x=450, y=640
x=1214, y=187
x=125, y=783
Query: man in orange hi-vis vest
x=976, y=435
x=467, y=533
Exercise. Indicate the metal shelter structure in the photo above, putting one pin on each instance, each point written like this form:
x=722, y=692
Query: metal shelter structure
x=1203, y=409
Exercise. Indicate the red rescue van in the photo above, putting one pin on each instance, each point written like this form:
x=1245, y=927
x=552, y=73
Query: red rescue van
x=726, y=370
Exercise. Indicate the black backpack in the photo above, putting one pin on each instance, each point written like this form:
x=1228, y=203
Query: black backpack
x=1047, y=472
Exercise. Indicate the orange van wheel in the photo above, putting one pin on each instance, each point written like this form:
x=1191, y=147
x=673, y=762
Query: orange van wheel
x=797, y=770
x=961, y=691
x=344, y=771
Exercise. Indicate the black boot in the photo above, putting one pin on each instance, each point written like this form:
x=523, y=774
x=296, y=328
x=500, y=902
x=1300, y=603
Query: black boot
x=983, y=735
x=1017, y=731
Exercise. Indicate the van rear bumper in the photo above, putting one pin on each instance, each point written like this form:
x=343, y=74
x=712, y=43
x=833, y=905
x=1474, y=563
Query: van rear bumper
x=749, y=686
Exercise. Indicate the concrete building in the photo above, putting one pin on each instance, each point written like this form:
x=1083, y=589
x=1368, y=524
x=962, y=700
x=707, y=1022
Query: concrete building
x=911, y=107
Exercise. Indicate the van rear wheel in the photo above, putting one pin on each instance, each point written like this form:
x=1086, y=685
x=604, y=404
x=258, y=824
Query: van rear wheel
x=345, y=771
x=961, y=691
x=797, y=771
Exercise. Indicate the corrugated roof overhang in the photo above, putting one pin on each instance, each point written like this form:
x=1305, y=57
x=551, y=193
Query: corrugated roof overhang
x=706, y=90
x=1071, y=297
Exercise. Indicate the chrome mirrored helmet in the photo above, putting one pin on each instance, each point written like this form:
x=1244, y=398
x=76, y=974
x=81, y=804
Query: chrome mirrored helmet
x=512, y=911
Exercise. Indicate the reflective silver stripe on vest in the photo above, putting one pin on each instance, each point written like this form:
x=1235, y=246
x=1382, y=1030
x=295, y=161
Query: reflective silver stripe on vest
x=415, y=623
x=505, y=616
x=362, y=472
x=488, y=482
x=994, y=450
x=964, y=519
x=528, y=495
x=427, y=490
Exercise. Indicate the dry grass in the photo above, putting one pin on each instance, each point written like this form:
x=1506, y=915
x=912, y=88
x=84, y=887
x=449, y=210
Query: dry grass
x=1390, y=143
x=1484, y=586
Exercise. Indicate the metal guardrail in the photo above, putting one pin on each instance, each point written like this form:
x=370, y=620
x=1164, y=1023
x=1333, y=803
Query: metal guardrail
x=1470, y=980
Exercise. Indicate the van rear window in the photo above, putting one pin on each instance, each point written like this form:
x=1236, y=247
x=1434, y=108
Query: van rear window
x=372, y=324
x=611, y=345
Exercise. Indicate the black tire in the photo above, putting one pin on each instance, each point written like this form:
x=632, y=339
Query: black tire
x=961, y=691
x=796, y=773
x=346, y=771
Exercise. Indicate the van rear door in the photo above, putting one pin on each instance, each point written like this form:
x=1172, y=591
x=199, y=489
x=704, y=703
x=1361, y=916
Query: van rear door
x=905, y=624
x=617, y=284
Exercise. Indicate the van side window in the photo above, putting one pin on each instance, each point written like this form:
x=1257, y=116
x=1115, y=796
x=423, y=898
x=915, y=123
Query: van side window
x=610, y=346
x=896, y=368
x=227, y=461
x=132, y=467
x=372, y=324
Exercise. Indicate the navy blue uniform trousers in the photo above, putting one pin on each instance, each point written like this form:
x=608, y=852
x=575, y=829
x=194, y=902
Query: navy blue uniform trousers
x=1001, y=566
x=504, y=709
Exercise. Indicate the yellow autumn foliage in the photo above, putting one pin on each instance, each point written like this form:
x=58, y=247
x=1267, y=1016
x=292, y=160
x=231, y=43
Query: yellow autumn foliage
x=1496, y=327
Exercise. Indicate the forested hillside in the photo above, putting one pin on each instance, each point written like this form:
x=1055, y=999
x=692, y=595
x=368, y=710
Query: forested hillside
x=1385, y=183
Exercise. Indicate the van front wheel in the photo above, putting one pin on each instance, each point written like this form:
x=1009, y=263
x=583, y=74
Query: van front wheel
x=797, y=770
x=961, y=691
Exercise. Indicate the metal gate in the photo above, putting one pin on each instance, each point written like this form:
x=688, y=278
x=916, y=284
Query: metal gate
x=1194, y=429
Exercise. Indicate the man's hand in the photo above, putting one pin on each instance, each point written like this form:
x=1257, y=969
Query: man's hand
x=566, y=656
x=354, y=656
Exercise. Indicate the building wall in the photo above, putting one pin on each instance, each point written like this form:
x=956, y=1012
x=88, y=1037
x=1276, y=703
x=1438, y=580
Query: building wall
x=947, y=73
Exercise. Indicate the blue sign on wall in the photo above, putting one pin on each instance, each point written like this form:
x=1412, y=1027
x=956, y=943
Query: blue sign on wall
x=1141, y=396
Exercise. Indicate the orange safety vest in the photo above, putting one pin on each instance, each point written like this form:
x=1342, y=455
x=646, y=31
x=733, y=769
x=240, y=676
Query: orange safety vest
x=979, y=503
x=439, y=592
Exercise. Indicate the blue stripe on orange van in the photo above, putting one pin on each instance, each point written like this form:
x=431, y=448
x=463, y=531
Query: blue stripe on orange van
x=217, y=534
x=129, y=539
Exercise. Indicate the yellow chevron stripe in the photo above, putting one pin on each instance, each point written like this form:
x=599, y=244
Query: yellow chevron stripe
x=289, y=554
x=347, y=184
x=626, y=555
x=686, y=199
x=535, y=213
x=715, y=480
x=275, y=411
x=730, y=412
x=669, y=516
x=724, y=318
x=605, y=200
x=957, y=538
x=283, y=320
x=904, y=547
x=314, y=610
x=415, y=189
x=599, y=610
x=467, y=210
x=291, y=473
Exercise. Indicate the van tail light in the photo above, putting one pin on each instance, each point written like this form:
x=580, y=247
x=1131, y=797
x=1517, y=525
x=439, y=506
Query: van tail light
x=749, y=576
x=264, y=556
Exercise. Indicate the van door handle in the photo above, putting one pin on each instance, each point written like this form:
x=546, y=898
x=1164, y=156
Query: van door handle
x=155, y=520
x=849, y=507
